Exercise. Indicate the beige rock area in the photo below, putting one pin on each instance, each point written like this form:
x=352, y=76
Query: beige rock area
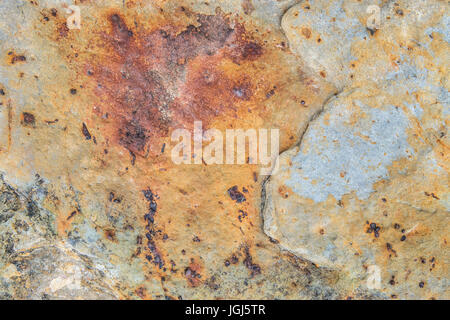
x=365, y=191
x=92, y=205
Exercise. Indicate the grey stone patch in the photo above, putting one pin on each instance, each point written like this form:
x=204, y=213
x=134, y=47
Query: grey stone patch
x=361, y=151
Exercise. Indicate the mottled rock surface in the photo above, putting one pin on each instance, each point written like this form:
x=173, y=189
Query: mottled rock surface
x=93, y=207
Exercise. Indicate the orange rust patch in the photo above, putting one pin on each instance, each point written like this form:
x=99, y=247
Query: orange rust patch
x=151, y=82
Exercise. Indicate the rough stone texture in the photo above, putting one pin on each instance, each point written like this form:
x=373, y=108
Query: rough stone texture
x=92, y=207
x=368, y=183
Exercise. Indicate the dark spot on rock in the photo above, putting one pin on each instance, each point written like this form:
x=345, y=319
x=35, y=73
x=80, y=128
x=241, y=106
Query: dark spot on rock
x=110, y=234
x=151, y=81
x=73, y=91
x=9, y=201
x=248, y=262
x=51, y=121
x=236, y=195
x=71, y=215
x=242, y=215
x=306, y=32
x=431, y=195
x=85, y=132
x=403, y=238
x=133, y=136
x=192, y=274
x=155, y=256
x=120, y=30
x=270, y=93
x=371, y=31
x=375, y=229
x=241, y=92
x=18, y=58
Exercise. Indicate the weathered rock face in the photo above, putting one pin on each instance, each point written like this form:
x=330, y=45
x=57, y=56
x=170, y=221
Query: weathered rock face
x=92, y=205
